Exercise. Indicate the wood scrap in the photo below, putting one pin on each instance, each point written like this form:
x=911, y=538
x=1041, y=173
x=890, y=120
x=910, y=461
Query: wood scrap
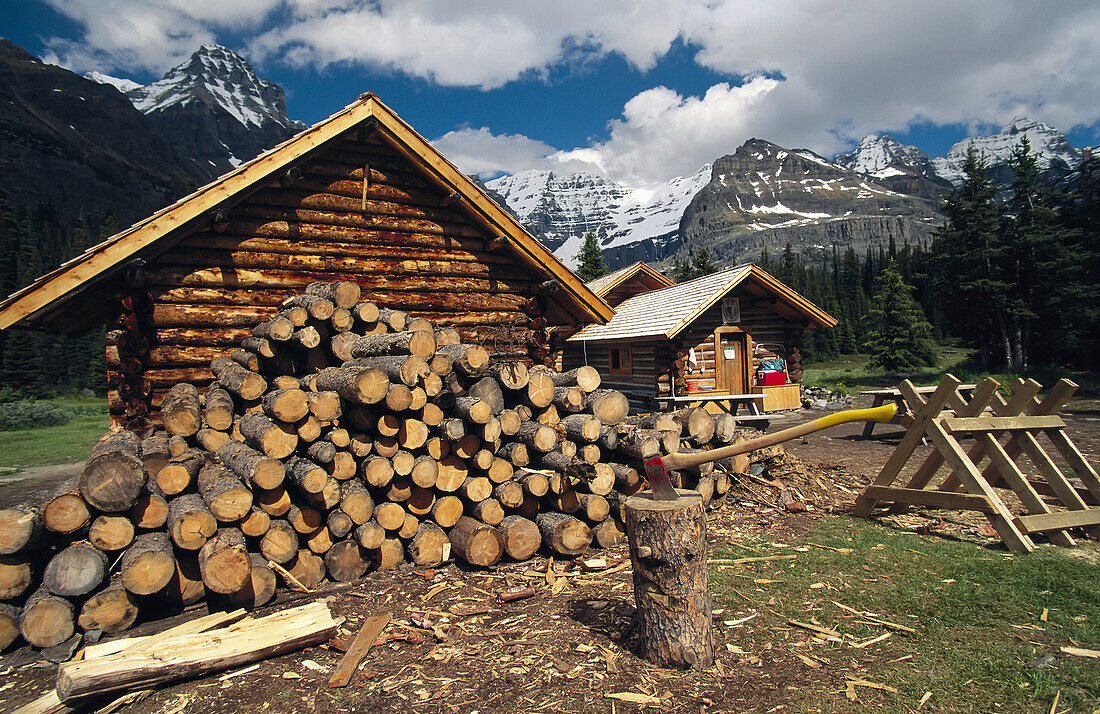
x=195, y=655
x=351, y=660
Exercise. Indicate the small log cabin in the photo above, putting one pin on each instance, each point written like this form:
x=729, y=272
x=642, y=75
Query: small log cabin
x=705, y=336
x=627, y=282
x=360, y=196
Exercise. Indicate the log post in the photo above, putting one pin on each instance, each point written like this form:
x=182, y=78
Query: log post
x=668, y=549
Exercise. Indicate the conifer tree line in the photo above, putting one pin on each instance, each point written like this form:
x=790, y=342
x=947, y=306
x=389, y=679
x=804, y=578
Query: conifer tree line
x=1012, y=273
x=36, y=364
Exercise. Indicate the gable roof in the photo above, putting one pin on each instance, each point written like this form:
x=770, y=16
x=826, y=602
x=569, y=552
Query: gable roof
x=603, y=286
x=41, y=303
x=663, y=314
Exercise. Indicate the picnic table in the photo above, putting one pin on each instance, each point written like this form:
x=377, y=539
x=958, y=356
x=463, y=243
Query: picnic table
x=729, y=403
x=881, y=395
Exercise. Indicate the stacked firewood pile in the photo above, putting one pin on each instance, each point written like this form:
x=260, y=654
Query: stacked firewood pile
x=339, y=438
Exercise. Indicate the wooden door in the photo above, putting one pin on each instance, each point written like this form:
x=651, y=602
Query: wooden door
x=731, y=355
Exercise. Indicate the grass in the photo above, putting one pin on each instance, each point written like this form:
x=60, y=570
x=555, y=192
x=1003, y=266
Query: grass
x=48, y=446
x=977, y=612
x=848, y=373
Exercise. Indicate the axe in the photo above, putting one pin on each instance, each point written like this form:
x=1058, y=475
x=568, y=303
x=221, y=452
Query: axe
x=657, y=467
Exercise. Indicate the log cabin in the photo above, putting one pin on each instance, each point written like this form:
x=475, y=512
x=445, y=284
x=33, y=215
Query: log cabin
x=705, y=336
x=624, y=283
x=359, y=197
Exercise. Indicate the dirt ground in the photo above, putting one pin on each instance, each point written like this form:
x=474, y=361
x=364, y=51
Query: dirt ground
x=455, y=647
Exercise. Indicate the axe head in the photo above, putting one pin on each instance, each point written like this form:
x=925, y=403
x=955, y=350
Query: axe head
x=659, y=479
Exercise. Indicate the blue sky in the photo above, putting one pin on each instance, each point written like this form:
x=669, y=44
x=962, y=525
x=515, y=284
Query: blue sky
x=642, y=90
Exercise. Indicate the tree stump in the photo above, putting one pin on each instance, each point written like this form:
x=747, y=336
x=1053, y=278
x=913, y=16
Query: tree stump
x=668, y=548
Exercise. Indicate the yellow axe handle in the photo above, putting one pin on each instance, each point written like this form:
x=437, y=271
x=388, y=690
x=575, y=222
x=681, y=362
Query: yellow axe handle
x=885, y=413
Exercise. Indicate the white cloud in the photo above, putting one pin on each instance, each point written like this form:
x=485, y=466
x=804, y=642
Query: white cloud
x=481, y=44
x=134, y=36
x=479, y=151
x=822, y=73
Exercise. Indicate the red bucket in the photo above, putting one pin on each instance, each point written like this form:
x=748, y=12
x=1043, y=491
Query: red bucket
x=692, y=385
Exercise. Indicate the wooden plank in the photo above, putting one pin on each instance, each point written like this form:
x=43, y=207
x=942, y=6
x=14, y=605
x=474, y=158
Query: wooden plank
x=965, y=425
x=1051, y=473
x=931, y=498
x=1019, y=483
x=349, y=663
x=1077, y=462
x=981, y=398
x=921, y=421
x=77, y=273
x=1043, y=522
x=1023, y=395
x=1001, y=519
x=1055, y=399
x=199, y=654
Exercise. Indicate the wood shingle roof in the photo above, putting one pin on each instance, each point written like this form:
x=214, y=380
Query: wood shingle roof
x=666, y=312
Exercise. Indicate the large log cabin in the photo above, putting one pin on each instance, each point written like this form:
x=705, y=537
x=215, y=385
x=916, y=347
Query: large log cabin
x=359, y=196
x=728, y=322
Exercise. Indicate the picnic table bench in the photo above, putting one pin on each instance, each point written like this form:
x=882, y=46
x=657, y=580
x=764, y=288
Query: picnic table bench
x=729, y=403
x=881, y=395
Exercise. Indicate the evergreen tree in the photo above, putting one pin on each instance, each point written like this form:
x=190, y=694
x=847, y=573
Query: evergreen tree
x=1044, y=270
x=697, y=265
x=968, y=259
x=900, y=338
x=590, y=259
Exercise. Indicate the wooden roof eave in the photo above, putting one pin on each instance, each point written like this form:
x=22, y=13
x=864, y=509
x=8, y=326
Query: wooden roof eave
x=404, y=139
x=810, y=310
x=639, y=267
x=76, y=276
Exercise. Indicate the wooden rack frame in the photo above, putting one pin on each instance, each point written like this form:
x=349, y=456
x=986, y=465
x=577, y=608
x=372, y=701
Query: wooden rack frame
x=1002, y=431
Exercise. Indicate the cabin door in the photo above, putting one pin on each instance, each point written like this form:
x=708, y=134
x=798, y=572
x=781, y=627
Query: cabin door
x=731, y=355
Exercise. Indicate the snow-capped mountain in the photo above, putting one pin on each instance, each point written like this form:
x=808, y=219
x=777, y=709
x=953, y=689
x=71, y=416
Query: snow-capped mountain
x=763, y=196
x=899, y=167
x=214, y=108
x=631, y=224
x=1057, y=157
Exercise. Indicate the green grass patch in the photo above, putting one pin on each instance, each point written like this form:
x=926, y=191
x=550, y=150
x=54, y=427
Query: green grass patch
x=51, y=445
x=976, y=611
x=850, y=373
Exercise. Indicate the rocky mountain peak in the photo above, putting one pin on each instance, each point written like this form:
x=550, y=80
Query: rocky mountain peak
x=1057, y=157
x=899, y=167
x=631, y=224
x=214, y=108
x=764, y=195
x=222, y=80
x=757, y=155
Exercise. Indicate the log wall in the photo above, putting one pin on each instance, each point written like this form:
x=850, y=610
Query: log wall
x=659, y=365
x=398, y=237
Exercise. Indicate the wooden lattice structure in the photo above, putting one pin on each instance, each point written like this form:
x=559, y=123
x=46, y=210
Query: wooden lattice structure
x=1002, y=431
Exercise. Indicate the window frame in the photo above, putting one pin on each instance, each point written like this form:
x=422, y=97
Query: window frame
x=626, y=359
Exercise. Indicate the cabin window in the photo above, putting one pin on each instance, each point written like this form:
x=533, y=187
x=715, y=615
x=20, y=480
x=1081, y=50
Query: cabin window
x=620, y=360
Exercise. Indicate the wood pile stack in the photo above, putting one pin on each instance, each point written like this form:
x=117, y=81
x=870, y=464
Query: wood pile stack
x=338, y=438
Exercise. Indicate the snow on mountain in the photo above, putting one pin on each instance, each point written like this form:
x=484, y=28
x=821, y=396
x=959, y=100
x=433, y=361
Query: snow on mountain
x=1055, y=153
x=122, y=85
x=882, y=157
x=222, y=79
x=214, y=109
x=561, y=208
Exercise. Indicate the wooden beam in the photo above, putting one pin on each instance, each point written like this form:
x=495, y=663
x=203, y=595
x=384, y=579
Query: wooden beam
x=928, y=411
x=963, y=425
x=971, y=478
x=931, y=498
x=1043, y=522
